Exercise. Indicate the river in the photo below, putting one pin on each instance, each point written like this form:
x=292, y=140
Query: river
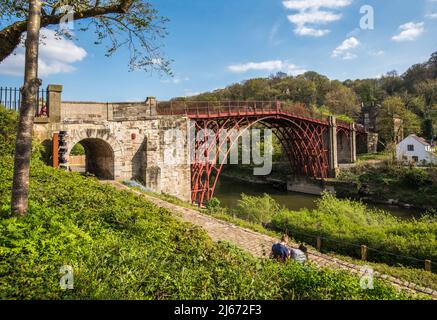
x=228, y=191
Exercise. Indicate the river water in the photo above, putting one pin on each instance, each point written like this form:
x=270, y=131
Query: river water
x=228, y=191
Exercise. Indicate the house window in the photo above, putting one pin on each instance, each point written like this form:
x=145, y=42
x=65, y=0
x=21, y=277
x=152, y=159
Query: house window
x=416, y=159
x=411, y=147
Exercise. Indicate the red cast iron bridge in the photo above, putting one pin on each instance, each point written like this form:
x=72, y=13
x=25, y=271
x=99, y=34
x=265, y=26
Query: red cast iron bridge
x=314, y=143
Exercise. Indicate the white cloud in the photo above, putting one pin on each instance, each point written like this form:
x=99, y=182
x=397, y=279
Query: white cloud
x=309, y=12
x=266, y=66
x=176, y=80
x=377, y=53
x=410, y=31
x=344, y=49
x=272, y=65
x=56, y=55
x=315, y=4
x=306, y=31
x=431, y=15
x=313, y=17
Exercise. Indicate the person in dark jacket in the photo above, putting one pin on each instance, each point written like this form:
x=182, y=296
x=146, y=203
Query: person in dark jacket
x=281, y=250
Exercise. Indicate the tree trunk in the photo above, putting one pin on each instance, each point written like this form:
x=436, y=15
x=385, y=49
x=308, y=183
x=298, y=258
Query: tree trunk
x=23, y=149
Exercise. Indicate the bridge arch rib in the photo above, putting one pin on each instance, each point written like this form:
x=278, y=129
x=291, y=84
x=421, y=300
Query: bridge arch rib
x=303, y=142
x=103, y=152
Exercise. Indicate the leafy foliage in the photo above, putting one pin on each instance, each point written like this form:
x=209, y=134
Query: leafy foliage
x=257, y=209
x=77, y=150
x=8, y=129
x=348, y=224
x=416, y=186
x=395, y=107
x=122, y=247
x=133, y=24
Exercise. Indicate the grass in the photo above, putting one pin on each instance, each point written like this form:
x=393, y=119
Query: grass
x=122, y=247
x=380, y=156
x=415, y=275
x=346, y=225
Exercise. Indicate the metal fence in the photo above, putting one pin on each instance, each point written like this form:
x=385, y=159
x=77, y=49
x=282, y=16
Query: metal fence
x=11, y=99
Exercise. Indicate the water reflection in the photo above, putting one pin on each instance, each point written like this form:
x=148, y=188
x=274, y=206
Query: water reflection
x=229, y=191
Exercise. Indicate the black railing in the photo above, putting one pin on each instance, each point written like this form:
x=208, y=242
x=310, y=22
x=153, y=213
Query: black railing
x=11, y=99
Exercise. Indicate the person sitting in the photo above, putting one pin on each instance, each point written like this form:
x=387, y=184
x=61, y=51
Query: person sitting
x=299, y=255
x=280, y=250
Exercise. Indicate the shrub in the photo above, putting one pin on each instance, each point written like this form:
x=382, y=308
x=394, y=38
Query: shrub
x=8, y=130
x=257, y=209
x=213, y=204
x=415, y=177
x=77, y=150
x=348, y=224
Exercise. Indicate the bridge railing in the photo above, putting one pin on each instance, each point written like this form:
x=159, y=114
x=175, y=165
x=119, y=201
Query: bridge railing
x=11, y=99
x=203, y=109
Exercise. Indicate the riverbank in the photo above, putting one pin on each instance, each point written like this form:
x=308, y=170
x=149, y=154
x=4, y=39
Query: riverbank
x=404, y=275
x=388, y=183
x=229, y=192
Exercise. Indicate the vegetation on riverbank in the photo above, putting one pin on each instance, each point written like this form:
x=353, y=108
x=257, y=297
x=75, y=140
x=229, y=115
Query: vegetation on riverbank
x=388, y=181
x=415, y=275
x=406, y=273
x=345, y=225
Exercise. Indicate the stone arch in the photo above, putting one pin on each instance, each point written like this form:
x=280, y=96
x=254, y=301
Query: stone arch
x=104, y=153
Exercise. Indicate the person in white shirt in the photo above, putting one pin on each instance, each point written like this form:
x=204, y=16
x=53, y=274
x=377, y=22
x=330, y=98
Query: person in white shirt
x=299, y=255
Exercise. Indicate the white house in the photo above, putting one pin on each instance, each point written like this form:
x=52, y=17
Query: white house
x=414, y=149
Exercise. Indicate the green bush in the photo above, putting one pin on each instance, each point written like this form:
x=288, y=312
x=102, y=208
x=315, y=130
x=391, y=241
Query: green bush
x=77, y=150
x=122, y=247
x=415, y=177
x=348, y=224
x=415, y=186
x=257, y=209
x=8, y=130
x=213, y=204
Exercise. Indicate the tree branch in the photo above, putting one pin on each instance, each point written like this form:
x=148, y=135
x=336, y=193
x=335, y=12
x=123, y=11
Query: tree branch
x=10, y=36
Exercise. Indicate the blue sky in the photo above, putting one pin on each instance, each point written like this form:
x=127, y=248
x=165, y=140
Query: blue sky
x=215, y=43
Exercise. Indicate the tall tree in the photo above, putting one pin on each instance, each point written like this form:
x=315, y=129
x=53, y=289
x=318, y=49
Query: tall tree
x=23, y=147
x=394, y=107
x=342, y=100
x=131, y=23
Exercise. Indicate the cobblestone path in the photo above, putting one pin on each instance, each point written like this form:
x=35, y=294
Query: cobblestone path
x=259, y=245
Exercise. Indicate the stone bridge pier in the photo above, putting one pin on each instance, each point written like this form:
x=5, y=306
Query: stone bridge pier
x=121, y=141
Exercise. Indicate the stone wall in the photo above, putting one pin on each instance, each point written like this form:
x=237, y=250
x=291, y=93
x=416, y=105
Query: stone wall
x=78, y=111
x=126, y=141
x=343, y=148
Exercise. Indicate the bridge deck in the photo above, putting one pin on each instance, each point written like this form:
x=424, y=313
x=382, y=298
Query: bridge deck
x=226, y=109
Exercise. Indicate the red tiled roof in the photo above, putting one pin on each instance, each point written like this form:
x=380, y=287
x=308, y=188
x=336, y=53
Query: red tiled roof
x=421, y=140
